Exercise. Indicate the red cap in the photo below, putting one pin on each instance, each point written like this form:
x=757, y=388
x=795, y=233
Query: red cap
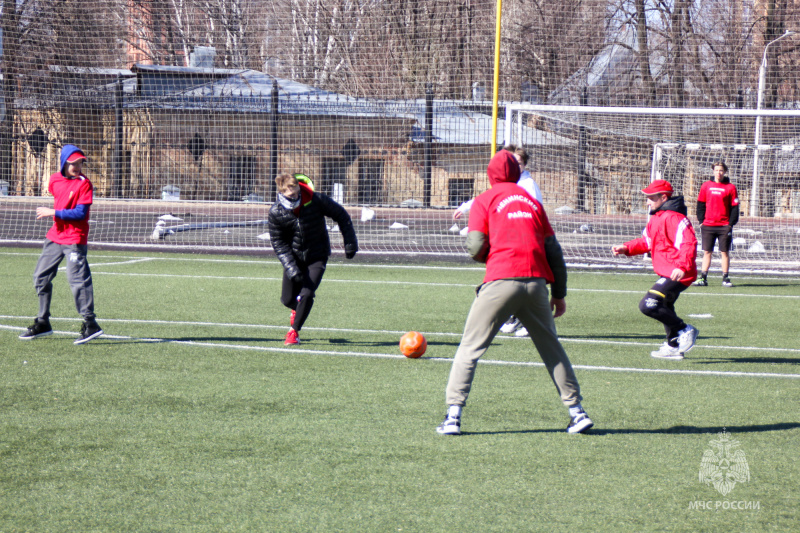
x=658, y=187
x=75, y=156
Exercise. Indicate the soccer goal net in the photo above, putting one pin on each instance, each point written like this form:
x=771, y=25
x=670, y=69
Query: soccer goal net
x=188, y=110
x=594, y=166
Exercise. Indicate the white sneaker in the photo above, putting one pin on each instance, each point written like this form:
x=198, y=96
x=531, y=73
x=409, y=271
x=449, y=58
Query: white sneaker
x=521, y=332
x=667, y=352
x=511, y=325
x=450, y=426
x=580, y=423
x=686, y=338
x=727, y=283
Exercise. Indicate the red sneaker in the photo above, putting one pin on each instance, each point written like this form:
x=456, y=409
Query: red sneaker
x=291, y=337
x=291, y=317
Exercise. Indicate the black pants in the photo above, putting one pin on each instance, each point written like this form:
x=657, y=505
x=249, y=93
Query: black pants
x=659, y=303
x=300, y=295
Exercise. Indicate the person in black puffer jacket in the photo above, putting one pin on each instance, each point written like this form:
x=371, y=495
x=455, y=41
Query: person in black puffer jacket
x=300, y=239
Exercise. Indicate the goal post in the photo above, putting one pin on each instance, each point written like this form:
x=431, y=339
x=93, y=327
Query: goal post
x=596, y=178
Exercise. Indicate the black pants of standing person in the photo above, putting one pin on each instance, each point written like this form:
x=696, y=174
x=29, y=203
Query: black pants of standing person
x=299, y=295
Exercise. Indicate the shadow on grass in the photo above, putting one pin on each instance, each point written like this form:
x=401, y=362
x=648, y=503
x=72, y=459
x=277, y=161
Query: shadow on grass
x=158, y=340
x=654, y=337
x=351, y=342
x=684, y=430
x=675, y=430
x=761, y=360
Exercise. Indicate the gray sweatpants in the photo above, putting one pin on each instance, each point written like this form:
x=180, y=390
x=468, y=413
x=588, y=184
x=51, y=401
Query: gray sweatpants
x=78, y=275
x=529, y=300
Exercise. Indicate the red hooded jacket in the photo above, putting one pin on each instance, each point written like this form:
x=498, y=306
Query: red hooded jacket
x=516, y=225
x=669, y=237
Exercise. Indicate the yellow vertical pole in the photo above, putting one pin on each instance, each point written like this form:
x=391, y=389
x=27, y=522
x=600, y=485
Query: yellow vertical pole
x=496, y=89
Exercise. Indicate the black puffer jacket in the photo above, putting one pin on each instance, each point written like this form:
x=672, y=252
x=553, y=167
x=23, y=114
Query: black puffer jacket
x=303, y=237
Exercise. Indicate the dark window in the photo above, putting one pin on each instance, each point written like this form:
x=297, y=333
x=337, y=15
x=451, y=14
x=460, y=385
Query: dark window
x=242, y=177
x=459, y=190
x=333, y=171
x=370, y=181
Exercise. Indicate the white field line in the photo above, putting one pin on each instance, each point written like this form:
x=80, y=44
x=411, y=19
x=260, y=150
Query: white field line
x=581, y=267
x=128, y=262
x=299, y=349
x=434, y=284
x=429, y=334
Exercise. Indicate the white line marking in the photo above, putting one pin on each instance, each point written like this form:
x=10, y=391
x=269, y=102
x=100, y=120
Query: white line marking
x=398, y=332
x=298, y=349
x=576, y=268
x=429, y=284
x=129, y=262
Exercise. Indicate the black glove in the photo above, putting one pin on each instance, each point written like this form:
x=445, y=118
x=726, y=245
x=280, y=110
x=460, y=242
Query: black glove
x=350, y=251
x=296, y=276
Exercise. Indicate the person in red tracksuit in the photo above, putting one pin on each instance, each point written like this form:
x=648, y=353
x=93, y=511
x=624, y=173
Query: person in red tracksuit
x=510, y=232
x=670, y=239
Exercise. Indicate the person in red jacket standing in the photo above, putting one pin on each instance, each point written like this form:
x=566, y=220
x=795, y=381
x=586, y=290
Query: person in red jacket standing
x=67, y=238
x=718, y=212
x=670, y=239
x=510, y=232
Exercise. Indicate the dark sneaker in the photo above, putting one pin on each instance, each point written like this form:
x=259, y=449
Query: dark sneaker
x=40, y=328
x=450, y=426
x=727, y=283
x=89, y=330
x=580, y=423
x=701, y=282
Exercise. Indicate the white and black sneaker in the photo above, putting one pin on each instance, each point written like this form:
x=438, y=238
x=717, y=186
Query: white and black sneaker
x=686, y=338
x=580, y=423
x=667, y=352
x=726, y=282
x=89, y=330
x=450, y=426
x=701, y=282
x=40, y=328
x=511, y=325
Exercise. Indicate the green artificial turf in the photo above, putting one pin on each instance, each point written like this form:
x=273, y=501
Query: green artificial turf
x=190, y=414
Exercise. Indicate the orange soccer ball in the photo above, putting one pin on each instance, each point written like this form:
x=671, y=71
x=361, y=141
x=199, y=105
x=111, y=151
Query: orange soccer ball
x=413, y=344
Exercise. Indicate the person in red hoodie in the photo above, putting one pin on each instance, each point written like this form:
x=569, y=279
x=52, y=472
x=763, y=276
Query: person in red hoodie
x=68, y=237
x=670, y=239
x=510, y=232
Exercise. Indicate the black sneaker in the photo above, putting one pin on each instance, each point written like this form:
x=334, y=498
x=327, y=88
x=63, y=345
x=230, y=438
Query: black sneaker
x=40, y=328
x=89, y=330
x=580, y=423
x=701, y=282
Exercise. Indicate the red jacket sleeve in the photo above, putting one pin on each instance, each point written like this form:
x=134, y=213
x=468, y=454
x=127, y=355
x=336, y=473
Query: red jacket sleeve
x=638, y=246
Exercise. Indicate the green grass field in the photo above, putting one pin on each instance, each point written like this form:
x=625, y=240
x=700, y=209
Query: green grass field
x=189, y=414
